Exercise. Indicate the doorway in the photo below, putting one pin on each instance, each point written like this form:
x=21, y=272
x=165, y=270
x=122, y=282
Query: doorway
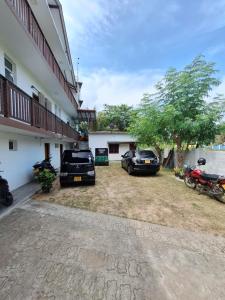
x=132, y=146
x=61, y=151
x=47, y=150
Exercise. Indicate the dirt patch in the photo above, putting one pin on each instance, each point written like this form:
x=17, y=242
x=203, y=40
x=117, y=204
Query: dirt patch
x=157, y=199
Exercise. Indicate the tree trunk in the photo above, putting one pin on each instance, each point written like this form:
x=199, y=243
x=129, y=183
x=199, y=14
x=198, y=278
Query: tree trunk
x=180, y=153
x=159, y=151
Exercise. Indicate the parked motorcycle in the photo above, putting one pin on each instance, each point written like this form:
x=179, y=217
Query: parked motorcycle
x=6, y=197
x=210, y=184
x=213, y=185
x=45, y=164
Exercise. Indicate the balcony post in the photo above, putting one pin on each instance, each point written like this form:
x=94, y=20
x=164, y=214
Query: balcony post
x=6, y=99
x=55, y=124
x=46, y=119
x=31, y=112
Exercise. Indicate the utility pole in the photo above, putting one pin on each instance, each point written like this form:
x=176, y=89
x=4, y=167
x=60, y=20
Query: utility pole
x=78, y=87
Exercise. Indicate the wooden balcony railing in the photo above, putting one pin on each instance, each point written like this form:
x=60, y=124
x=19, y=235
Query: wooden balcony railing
x=16, y=104
x=24, y=13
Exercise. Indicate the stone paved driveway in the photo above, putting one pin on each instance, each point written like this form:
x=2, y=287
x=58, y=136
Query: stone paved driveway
x=53, y=252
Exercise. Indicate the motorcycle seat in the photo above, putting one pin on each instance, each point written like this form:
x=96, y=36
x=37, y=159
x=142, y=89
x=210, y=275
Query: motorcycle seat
x=212, y=177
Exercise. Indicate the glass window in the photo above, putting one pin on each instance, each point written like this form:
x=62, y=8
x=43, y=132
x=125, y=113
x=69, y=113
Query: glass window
x=9, y=69
x=12, y=145
x=146, y=154
x=77, y=157
x=113, y=148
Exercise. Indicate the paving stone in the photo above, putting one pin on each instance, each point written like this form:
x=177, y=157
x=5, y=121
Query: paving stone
x=49, y=251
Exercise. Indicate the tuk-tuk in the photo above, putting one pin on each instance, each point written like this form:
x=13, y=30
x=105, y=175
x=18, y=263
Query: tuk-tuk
x=101, y=157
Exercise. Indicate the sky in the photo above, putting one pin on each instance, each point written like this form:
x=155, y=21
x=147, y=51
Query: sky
x=126, y=46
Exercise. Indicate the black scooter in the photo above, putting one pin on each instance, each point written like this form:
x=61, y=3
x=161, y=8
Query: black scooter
x=45, y=164
x=6, y=197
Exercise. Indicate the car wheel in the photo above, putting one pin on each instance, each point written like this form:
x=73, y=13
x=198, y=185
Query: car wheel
x=9, y=200
x=130, y=170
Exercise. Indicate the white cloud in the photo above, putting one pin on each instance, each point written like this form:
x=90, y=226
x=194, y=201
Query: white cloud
x=213, y=15
x=105, y=87
x=216, y=49
x=85, y=19
x=220, y=89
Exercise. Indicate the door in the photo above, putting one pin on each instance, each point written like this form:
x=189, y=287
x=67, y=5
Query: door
x=47, y=150
x=132, y=146
x=128, y=159
x=61, y=152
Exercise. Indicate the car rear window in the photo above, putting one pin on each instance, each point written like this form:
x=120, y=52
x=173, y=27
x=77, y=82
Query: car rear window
x=146, y=154
x=77, y=157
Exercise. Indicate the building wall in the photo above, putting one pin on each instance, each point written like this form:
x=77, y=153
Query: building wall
x=17, y=165
x=123, y=147
x=215, y=160
x=25, y=80
x=103, y=140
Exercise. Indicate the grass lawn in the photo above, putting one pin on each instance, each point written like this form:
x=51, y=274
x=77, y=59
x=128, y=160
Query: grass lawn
x=157, y=199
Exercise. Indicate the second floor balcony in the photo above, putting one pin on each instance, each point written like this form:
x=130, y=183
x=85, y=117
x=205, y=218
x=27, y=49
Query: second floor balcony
x=19, y=110
x=24, y=42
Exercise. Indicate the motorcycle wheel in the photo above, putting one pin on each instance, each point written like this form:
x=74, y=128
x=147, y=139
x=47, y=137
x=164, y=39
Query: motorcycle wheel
x=189, y=182
x=8, y=200
x=221, y=196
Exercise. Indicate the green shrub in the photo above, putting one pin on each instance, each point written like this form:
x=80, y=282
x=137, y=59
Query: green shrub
x=46, y=178
x=179, y=172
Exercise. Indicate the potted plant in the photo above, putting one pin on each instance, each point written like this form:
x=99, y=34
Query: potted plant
x=46, y=178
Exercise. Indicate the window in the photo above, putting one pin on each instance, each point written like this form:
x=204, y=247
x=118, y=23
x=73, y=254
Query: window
x=127, y=154
x=12, y=145
x=113, y=148
x=10, y=69
x=48, y=104
x=77, y=156
x=35, y=97
x=41, y=99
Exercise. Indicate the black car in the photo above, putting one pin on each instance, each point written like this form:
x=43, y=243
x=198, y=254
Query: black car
x=140, y=161
x=77, y=166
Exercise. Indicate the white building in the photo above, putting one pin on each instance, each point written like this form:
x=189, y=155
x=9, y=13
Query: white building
x=38, y=90
x=116, y=142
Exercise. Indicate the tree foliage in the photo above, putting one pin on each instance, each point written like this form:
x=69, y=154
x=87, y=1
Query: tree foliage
x=180, y=111
x=114, y=117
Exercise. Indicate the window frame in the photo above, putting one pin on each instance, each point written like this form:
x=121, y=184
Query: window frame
x=14, y=145
x=116, y=150
x=13, y=71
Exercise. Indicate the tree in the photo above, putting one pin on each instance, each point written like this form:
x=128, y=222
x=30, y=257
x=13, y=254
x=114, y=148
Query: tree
x=146, y=125
x=114, y=116
x=221, y=132
x=83, y=126
x=183, y=114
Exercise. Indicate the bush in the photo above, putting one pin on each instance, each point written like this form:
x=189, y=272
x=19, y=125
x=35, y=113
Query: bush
x=46, y=178
x=179, y=172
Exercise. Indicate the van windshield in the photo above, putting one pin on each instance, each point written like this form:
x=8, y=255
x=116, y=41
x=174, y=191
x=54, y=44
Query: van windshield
x=77, y=157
